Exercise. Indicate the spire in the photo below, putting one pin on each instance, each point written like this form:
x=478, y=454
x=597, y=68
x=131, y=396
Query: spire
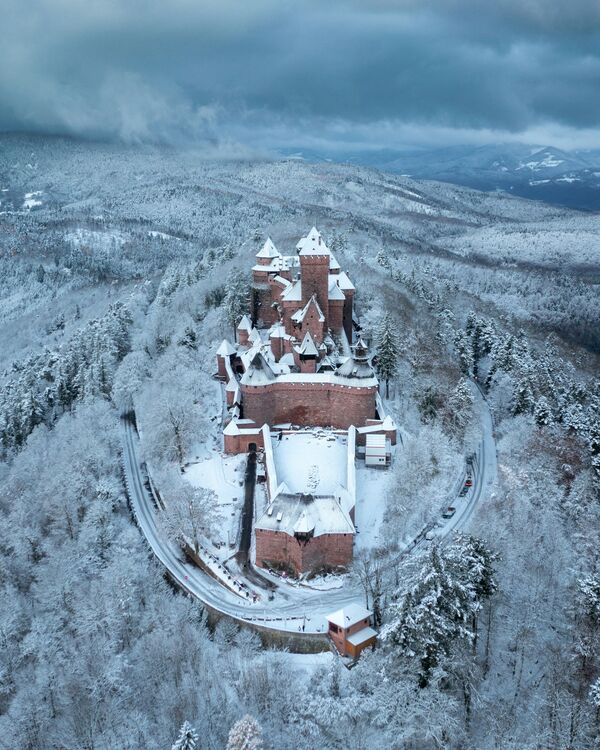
x=312, y=244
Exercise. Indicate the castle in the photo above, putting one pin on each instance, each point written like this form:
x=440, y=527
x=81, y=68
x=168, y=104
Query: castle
x=296, y=366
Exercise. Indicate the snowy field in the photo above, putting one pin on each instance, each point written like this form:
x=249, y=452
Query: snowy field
x=371, y=497
x=225, y=476
x=312, y=462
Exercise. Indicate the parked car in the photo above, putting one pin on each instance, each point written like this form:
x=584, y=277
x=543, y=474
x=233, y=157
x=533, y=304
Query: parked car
x=469, y=482
x=463, y=491
x=430, y=536
x=449, y=512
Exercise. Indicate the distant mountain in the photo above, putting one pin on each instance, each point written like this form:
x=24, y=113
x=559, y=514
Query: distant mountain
x=567, y=178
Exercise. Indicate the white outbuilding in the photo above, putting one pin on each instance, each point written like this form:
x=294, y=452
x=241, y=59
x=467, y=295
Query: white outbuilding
x=377, y=452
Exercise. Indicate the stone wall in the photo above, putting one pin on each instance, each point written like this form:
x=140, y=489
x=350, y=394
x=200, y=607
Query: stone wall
x=240, y=443
x=281, y=549
x=336, y=314
x=306, y=404
x=314, y=271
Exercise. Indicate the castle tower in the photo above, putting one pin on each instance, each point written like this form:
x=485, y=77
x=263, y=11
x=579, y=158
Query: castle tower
x=314, y=270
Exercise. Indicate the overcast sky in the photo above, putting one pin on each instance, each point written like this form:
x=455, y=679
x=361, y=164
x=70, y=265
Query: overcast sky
x=370, y=73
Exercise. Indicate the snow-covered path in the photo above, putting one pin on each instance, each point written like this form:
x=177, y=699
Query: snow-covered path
x=294, y=608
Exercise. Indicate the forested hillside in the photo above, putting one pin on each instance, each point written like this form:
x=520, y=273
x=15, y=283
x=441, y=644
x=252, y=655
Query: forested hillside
x=116, y=273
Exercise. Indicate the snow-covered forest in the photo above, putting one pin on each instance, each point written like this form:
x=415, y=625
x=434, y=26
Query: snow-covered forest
x=117, y=266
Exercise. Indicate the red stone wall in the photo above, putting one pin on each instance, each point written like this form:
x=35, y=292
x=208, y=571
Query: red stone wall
x=233, y=444
x=221, y=370
x=289, y=308
x=321, y=404
x=314, y=271
x=277, y=547
x=336, y=314
x=311, y=323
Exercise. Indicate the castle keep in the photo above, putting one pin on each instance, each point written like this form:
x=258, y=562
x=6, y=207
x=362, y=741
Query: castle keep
x=297, y=365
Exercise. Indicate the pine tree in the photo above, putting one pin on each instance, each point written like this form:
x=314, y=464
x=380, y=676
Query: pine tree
x=460, y=405
x=523, y=400
x=387, y=350
x=245, y=734
x=188, y=738
x=383, y=260
x=542, y=413
x=465, y=352
x=237, y=298
x=434, y=613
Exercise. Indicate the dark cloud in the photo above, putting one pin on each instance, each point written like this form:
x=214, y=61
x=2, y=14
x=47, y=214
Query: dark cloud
x=142, y=70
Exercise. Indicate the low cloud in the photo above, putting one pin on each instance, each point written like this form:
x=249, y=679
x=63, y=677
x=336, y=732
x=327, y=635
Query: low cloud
x=378, y=73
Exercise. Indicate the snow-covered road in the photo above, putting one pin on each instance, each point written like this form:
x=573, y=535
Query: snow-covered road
x=294, y=608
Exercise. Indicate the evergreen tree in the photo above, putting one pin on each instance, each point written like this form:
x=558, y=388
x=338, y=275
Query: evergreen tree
x=523, y=401
x=433, y=614
x=387, y=349
x=188, y=738
x=237, y=298
x=245, y=734
x=542, y=413
x=460, y=406
x=383, y=260
x=465, y=352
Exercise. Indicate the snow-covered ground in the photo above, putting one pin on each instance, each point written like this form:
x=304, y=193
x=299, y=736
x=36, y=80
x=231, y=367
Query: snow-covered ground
x=371, y=497
x=32, y=200
x=225, y=476
x=311, y=461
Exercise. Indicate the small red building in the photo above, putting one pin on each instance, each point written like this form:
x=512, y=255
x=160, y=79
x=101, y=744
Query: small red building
x=350, y=630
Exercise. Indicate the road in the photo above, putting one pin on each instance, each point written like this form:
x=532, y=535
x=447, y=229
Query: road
x=293, y=608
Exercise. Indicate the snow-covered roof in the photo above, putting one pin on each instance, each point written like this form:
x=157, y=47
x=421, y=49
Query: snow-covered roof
x=361, y=636
x=231, y=385
x=376, y=441
x=328, y=377
x=325, y=365
x=307, y=348
x=293, y=293
x=355, y=368
x=304, y=525
x=278, y=263
x=387, y=425
x=268, y=250
x=334, y=290
x=258, y=372
x=303, y=514
x=348, y=616
x=231, y=428
x=287, y=359
x=225, y=349
x=333, y=264
x=344, y=281
x=312, y=244
x=245, y=324
x=299, y=315
x=282, y=281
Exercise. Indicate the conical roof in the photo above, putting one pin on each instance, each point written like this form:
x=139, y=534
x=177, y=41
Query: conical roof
x=268, y=250
x=225, y=349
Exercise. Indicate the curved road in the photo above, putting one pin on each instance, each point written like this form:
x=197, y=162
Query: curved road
x=295, y=608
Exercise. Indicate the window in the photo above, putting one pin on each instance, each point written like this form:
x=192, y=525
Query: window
x=333, y=628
